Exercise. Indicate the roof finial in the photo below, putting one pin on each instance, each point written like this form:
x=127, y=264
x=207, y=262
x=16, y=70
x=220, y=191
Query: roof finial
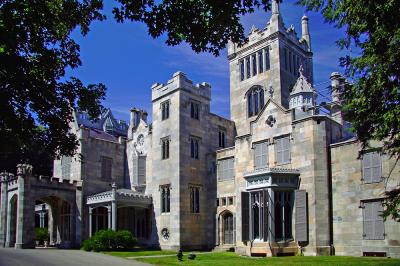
x=301, y=70
x=275, y=7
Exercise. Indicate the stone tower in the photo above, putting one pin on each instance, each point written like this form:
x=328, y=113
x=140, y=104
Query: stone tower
x=270, y=59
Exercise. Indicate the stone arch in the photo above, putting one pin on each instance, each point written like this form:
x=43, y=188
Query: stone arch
x=12, y=221
x=61, y=195
x=226, y=227
x=60, y=218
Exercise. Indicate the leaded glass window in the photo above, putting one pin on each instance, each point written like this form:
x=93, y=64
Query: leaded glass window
x=255, y=100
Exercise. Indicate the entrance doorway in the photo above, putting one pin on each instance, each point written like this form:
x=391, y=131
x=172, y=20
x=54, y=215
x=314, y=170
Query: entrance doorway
x=228, y=228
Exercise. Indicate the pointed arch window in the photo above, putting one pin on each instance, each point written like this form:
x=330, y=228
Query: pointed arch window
x=255, y=100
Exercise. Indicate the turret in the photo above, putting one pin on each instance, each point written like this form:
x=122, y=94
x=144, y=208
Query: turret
x=276, y=22
x=303, y=96
x=305, y=34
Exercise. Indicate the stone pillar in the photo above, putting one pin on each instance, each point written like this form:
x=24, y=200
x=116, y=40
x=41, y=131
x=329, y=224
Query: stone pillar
x=109, y=221
x=10, y=232
x=114, y=207
x=51, y=224
x=78, y=222
x=90, y=221
x=3, y=208
x=41, y=216
x=25, y=236
x=271, y=216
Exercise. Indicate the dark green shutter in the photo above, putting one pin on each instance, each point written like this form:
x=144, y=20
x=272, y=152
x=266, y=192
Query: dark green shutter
x=266, y=214
x=245, y=216
x=301, y=224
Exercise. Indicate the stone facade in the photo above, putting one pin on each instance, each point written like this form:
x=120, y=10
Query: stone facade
x=283, y=176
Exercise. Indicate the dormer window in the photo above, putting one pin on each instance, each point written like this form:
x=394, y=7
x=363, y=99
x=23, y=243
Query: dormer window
x=255, y=100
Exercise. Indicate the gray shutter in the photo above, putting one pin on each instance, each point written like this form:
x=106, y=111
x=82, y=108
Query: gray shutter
x=219, y=172
x=245, y=216
x=230, y=168
x=142, y=170
x=135, y=169
x=367, y=167
x=222, y=166
x=266, y=214
x=257, y=156
x=368, y=220
x=376, y=167
x=379, y=227
x=264, y=154
x=301, y=225
x=286, y=150
x=260, y=155
x=278, y=151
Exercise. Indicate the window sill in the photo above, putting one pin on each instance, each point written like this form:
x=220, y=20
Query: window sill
x=166, y=213
x=368, y=183
x=282, y=164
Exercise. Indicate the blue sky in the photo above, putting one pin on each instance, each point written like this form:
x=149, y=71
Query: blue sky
x=128, y=61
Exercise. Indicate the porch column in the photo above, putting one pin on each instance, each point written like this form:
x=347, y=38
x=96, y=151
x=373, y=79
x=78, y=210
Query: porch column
x=271, y=216
x=114, y=207
x=109, y=216
x=42, y=215
x=90, y=221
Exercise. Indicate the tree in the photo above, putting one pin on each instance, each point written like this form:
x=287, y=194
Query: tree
x=372, y=100
x=206, y=25
x=36, y=47
x=36, y=98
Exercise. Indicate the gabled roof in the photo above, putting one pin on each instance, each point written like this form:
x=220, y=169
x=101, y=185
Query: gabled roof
x=302, y=84
x=106, y=120
x=269, y=101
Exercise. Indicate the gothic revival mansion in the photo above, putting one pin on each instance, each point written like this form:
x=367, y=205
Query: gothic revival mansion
x=282, y=176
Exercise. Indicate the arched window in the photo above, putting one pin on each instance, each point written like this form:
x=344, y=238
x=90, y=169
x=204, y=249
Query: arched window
x=255, y=100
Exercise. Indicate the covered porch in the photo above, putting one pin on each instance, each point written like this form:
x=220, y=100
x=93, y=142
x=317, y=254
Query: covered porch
x=121, y=209
x=268, y=204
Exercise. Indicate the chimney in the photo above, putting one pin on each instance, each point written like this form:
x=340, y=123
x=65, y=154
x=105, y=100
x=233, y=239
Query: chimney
x=305, y=34
x=135, y=117
x=144, y=116
x=337, y=85
x=337, y=82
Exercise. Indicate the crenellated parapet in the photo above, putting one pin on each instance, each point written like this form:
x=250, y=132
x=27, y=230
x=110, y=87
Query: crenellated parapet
x=179, y=81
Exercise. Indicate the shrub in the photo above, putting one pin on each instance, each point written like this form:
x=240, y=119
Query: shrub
x=41, y=234
x=124, y=239
x=107, y=240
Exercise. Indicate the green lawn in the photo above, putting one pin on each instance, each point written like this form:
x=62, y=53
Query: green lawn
x=139, y=253
x=230, y=258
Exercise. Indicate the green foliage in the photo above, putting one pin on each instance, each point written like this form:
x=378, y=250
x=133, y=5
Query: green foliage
x=108, y=240
x=205, y=25
x=41, y=234
x=372, y=101
x=36, y=98
x=392, y=204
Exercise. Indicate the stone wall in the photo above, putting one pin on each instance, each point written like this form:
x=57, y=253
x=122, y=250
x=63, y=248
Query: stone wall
x=348, y=193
